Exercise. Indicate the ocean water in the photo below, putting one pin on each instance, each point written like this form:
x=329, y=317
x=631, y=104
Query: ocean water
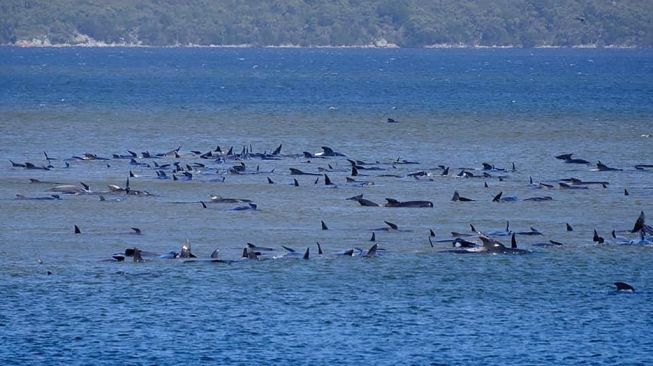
x=413, y=304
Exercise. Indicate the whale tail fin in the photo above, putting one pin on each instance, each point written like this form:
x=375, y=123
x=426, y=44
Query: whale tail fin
x=138, y=258
x=372, y=251
x=639, y=224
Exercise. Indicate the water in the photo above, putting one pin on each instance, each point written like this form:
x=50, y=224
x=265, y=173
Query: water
x=413, y=304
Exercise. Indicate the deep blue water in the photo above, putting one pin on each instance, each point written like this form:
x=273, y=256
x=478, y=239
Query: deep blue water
x=413, y=304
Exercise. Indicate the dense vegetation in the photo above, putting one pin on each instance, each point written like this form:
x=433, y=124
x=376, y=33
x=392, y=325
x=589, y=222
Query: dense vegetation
x=407, y=23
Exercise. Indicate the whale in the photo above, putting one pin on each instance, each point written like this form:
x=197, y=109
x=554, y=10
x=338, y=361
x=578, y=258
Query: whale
x=499, y=198
x=185, y=251
x=219, y=199
x=643, y=166
x=624, y=287
x=213, y=258
x=504, y=232
x=604, y=168
x=550, y=243
x=51, y=197
x=31, y=166
x=458, y=198
x=579, y=182
x=327, y=151
x=597, y=239
x=493, y=246
x=250, y=206
x=533, y=231
x=539, y=198
x=70, y=189
x=640, y=225
x=567, y=186
x=567, y=158
x=292, y=253
x=358, y=183
x=462, y=243
x=294, y=171
x=259, y=249
x=391, y=202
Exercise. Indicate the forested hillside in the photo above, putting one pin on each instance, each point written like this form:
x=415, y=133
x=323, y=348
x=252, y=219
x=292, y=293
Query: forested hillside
x=407, y=23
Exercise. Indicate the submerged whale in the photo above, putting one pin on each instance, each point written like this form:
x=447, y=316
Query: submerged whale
x=391, y=202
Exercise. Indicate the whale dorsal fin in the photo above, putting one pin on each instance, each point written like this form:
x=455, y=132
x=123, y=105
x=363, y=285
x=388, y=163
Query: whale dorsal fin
x=327, y=180
x=354, y=171
x=306, y=253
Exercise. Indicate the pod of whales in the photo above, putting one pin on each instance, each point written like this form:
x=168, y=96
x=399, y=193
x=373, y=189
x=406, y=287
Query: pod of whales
x=216, y=165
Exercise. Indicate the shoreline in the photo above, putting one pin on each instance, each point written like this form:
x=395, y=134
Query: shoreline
x=378, y=45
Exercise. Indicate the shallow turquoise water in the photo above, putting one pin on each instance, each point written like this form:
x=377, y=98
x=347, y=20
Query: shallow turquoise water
x=413, y=304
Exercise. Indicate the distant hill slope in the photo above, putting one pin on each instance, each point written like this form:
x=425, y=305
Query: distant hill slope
x=407, y=23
